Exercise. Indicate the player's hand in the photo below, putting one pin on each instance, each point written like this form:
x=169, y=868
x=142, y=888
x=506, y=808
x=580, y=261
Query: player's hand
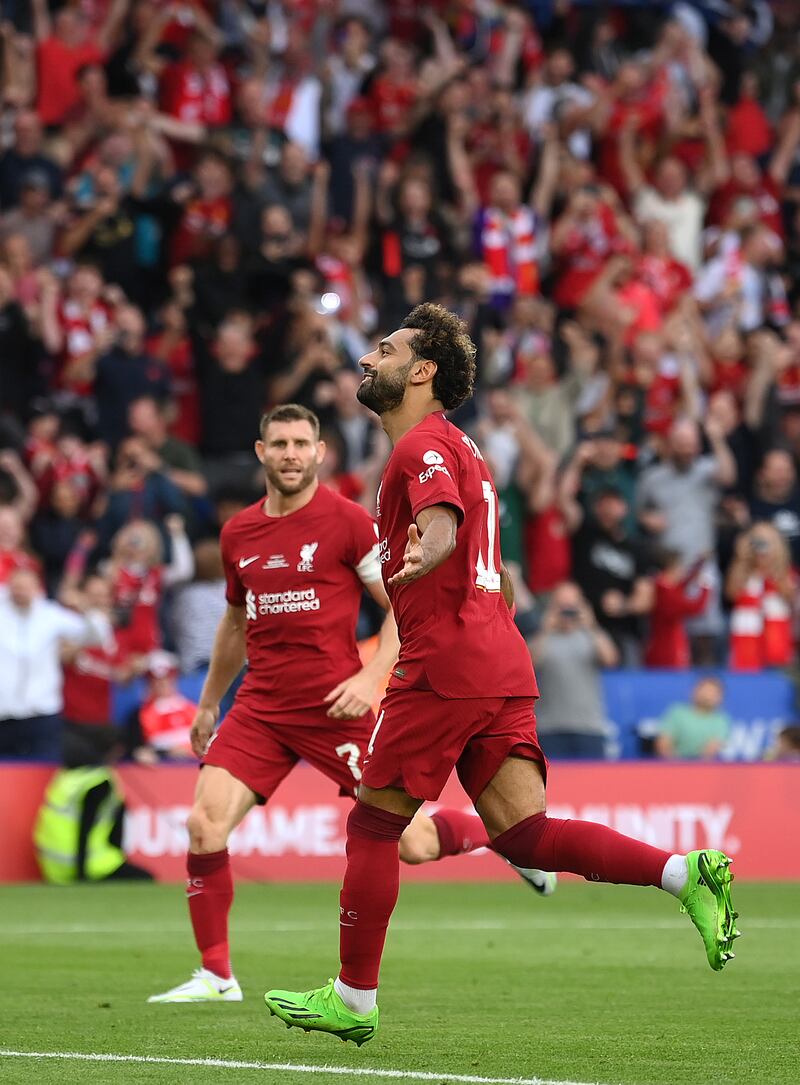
x=202, y=729
x=413, y=559
x=351, y=699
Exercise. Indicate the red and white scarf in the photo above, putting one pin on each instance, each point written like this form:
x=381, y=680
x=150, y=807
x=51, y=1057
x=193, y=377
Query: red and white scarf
x=508, y=244
x=761, y=627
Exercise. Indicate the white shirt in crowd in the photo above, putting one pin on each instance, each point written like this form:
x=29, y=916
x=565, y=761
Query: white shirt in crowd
x=30, y=664
x=682, y=217
x=747, y=306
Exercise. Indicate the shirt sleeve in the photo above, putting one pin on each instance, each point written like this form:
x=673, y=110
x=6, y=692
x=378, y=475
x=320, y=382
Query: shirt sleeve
x=363, y=555
x=669, y=722
x=430, y=470
x=70, y=624
x=234, y=590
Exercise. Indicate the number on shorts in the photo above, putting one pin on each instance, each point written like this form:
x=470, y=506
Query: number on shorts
x=353, y=755
x=488, y=578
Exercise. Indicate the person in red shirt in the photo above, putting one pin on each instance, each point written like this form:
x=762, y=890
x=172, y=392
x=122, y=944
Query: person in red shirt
x=207, y=209
x=747, y=180
x=584, y=239
x=680, y=593
x=197, y=90
x=748, y=130
x=13, y=554
x=761, y=587
x=657, y=268
x=393, y=91
x=139, y=578
x=172, y=345
x=462, y=692
x=728, y=372
x=80, y=331
x=64, y=46
x=295, y=567
x=89, y=677
x=165, y=717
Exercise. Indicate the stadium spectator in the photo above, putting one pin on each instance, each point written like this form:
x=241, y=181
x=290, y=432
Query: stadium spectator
x=32, y=630
x=179, y=462
x=776, y=498
x=91, y=735
x=569, y=652
x=677, y=501
x=137, y=488
x=695, y=731
x=139, y=578
x=26, y=157
x=761, y=588
x=198, y=607
x=787, y=745
x=13, y=552
x=161, y=725
x=125, y=373
x=612, y=569
x=678, y=593
x=34, y=217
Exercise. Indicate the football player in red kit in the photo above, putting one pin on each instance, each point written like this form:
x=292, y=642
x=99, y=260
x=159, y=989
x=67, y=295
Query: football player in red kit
x=295, y=566
x=462, y=692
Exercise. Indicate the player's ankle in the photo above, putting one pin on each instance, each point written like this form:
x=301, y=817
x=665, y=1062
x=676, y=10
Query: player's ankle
x=675, y=875
x=358, y=1001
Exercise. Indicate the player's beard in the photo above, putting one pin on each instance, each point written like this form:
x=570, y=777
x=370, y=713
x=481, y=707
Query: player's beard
x=276, y=482
x=383, y=392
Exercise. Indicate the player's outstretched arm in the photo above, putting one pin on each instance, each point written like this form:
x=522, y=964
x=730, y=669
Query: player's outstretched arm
x=227, y=659
x=431, y=540
x=353, y=697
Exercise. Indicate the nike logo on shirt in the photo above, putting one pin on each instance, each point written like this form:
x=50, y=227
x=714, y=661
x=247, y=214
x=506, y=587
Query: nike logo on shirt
x=244, y=562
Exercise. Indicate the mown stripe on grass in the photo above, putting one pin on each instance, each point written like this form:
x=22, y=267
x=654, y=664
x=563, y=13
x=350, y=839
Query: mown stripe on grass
x=12, y=930
x=289, y=1068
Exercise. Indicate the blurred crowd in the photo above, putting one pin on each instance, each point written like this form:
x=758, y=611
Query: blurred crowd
x=211, y=206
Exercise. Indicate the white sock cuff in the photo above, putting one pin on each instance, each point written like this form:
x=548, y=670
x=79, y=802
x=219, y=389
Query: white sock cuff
x=355, y=999
x=675, y=875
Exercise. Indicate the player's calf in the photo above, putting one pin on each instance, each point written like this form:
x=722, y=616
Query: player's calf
x=420, y=842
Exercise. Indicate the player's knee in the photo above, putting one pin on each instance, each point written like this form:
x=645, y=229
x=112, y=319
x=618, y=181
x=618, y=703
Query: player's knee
x=420, y=842
x=206, y=833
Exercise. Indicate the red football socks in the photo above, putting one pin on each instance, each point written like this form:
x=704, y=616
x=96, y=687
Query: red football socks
x=209, y=891
x=459, y=832
x=598, y=853
x=369, y=892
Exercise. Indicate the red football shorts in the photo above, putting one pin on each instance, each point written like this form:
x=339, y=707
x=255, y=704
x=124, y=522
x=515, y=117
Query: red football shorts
x=420, y=737
x=261, y=753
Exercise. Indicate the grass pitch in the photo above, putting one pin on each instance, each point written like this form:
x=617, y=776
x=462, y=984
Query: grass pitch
x=596, y=984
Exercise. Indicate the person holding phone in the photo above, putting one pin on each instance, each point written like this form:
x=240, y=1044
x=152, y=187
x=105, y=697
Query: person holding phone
x=569, y=653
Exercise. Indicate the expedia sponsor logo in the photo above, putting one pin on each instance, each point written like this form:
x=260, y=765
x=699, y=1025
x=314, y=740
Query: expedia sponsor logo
x=427, y=475
x=384, y=552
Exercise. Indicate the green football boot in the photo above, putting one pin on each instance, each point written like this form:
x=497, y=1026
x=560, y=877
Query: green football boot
x=322, y=1010
x=706, y=899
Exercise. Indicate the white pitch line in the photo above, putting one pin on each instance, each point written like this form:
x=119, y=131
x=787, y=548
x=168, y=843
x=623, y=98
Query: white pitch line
x=12, y=931
x=290, y=1068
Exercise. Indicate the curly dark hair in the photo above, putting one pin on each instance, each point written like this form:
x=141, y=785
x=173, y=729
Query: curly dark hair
x=442, y=337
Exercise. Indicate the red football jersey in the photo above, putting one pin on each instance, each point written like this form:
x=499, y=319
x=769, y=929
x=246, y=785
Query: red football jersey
x=89, y=684
x=456, y=633
x=299, y=578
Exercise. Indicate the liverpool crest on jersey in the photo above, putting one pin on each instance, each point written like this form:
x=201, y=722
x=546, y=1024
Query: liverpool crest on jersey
x=306, y=562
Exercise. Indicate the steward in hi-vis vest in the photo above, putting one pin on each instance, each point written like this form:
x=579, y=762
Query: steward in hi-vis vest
x=78, y=828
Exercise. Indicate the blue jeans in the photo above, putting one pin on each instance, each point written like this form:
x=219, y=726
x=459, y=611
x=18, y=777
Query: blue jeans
x=573, y=746
x=37, y=738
